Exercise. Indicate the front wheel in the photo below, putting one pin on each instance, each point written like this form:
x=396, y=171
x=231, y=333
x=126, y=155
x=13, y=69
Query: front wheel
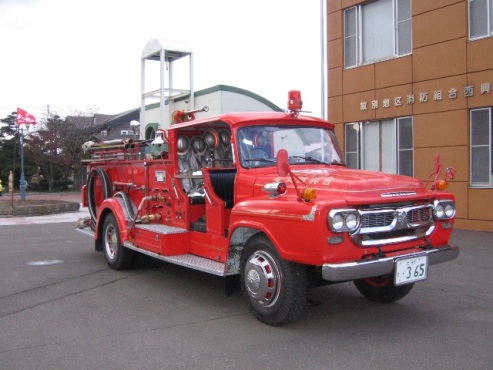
x=381, y=289
x=275, y=290
x=117, y=256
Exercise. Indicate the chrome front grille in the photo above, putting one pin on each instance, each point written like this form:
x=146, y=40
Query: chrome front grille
x=392, y=225
x=380, y=219
x=419, y=215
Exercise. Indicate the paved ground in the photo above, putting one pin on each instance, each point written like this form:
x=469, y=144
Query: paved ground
x=79, y=314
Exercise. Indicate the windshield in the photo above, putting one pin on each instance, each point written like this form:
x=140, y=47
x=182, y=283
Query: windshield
x=258, y=145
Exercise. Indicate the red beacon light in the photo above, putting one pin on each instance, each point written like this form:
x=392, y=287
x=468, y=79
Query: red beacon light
x=295, y=104
x=275, y=189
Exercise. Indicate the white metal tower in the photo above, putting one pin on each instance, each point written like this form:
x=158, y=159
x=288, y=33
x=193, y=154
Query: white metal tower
x=166, y=53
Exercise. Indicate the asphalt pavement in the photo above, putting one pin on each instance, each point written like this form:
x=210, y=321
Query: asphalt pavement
x=61, y=307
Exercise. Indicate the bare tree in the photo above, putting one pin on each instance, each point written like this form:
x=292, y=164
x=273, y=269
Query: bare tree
x=47, y=149
x=80, y=126
x=56, y=145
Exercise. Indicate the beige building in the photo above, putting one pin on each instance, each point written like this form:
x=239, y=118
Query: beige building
x=409, y=79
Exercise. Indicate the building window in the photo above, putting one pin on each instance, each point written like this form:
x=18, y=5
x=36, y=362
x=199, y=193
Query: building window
x=480, y=18
x=126, y=132
x=376, y=31
x=385, y=146
x=481, y=147
x=104, y=133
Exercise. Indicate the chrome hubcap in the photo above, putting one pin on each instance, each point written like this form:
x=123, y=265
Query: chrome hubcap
x=262, y=279
x=111, y=242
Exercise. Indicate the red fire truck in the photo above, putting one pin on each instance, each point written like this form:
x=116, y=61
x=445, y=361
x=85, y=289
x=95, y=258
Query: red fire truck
x=266, y=199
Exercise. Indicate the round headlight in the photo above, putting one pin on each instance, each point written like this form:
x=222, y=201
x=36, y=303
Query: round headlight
x=439, y=211
x=351, y=221
x=449, y=210
x=337, y=222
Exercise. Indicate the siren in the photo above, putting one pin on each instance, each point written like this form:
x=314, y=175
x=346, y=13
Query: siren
x=295, y=104
x=159, y=139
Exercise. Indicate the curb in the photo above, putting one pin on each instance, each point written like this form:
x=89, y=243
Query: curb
x=40, y=207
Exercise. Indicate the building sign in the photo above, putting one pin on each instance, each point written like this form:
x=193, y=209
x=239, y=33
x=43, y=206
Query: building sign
x=424, y=97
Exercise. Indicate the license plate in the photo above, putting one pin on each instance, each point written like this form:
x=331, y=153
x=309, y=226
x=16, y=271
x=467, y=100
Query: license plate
x=409, y=270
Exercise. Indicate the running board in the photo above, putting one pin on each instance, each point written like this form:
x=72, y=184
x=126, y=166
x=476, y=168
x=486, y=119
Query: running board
x=186, y=260
x=161, y=229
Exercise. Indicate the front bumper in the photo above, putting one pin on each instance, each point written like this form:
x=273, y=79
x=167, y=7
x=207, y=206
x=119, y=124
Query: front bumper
x=383, y=266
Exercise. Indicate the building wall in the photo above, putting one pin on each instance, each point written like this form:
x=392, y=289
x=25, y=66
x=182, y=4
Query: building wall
x=442, y=60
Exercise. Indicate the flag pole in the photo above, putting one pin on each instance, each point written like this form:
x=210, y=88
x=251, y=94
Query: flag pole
x=23, y=118
x=13, y=167
x=22, y=185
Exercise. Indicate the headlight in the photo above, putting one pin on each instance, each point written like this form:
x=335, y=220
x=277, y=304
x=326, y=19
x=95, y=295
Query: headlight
x=439, y=211
x=443, y=209
x=343, y=220
x=450, y=210
x=337, y=222
x=351, y=221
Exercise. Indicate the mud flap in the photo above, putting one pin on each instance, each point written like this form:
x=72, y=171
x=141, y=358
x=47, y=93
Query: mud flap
x=231, y=283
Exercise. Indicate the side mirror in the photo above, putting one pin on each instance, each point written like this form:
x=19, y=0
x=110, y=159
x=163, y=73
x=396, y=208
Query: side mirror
x=282, y=162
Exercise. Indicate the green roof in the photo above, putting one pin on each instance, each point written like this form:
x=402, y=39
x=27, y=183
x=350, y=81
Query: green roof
x=217, y=88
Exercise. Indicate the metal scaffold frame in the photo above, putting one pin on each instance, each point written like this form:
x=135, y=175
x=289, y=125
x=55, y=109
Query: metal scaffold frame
x=165, y=53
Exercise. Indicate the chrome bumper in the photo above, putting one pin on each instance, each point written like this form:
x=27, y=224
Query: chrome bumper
x=383, y=266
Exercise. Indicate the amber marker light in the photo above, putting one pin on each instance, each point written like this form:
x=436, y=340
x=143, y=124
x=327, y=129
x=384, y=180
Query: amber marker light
x=308, y=194
x=441, y=185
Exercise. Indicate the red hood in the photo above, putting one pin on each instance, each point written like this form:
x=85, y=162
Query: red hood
x=355, y=186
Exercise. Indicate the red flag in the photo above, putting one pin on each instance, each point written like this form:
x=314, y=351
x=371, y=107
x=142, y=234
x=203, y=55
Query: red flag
x=25, y=118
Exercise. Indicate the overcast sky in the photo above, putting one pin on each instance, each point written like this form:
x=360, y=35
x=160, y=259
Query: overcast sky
x=77, y=54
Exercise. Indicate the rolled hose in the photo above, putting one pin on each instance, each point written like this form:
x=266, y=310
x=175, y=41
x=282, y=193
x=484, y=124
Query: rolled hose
x=91, y=187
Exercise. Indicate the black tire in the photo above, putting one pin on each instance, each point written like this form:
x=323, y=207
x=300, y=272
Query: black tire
x=381, y=289
x=117, y=256
x=275, y=290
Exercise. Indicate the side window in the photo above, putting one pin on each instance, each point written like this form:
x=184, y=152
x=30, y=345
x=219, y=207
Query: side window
x=405, y=147
x=351, y=37
x=480, y=19
x=385, y=146
x=376, y=31
x=404, y=27
x=353, y=140
x=481, y=147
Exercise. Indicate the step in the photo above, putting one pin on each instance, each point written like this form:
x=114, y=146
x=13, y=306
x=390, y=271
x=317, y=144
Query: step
x=186, y=260
x=161, y=229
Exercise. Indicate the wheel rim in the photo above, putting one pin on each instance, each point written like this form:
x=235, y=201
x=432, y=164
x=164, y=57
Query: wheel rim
x=262, y=279
x=111, y=242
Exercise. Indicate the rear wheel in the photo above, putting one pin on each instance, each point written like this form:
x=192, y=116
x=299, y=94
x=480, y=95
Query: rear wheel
x=117, y=256
x=275, y=290
x=381, y=289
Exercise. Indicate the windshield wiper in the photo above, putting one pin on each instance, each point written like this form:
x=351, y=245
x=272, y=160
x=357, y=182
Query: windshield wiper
x=259, y=160
x=311, y=159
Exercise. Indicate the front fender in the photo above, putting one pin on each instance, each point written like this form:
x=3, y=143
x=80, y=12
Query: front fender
x=112, y=205
x=297, y=229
